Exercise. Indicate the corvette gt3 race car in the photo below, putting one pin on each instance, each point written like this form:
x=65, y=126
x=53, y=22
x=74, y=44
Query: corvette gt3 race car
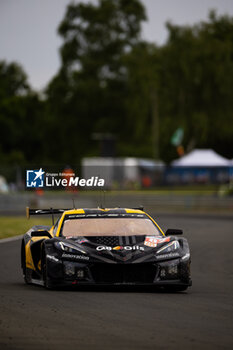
x=104, y=247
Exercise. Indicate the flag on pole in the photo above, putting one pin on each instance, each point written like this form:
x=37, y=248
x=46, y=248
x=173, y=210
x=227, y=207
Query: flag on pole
x=177, y=137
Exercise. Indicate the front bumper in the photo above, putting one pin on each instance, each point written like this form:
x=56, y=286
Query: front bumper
x=172, y=272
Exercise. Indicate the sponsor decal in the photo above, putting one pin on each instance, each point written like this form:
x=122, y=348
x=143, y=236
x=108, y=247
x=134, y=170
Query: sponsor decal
x=73, y=256
x=152, y=241
x=117, y=248
x=106, y=213
x=170, y=255
x=120, y=248
x=51, y=257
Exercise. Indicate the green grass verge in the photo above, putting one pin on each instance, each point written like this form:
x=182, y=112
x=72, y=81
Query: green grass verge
x=17, y=225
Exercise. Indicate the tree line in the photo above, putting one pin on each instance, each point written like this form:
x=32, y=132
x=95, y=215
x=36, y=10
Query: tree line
x=116, y=94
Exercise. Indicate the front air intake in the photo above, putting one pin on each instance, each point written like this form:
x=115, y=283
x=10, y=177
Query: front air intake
x=124, y=273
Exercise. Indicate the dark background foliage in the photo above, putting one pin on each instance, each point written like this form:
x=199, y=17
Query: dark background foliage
x=117, y=95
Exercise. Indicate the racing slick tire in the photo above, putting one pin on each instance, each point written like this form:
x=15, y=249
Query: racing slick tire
x=26, y=274
x=47, y=283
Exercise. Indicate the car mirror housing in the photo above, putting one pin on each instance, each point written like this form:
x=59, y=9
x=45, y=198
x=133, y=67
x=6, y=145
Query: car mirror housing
x=173, y=231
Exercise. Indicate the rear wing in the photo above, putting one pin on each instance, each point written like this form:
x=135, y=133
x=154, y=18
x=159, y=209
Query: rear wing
x=50, y=211
x=53, y=212
x=139, y=208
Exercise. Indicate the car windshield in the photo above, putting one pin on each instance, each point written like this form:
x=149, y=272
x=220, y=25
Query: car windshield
x=109, y=227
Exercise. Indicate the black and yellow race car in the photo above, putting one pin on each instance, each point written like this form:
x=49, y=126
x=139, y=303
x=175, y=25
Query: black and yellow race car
x=104, y=247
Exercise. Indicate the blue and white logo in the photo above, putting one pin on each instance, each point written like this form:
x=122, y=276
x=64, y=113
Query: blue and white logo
x=35, y=178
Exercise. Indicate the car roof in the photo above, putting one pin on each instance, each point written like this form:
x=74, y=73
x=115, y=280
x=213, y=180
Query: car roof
x=105, y=210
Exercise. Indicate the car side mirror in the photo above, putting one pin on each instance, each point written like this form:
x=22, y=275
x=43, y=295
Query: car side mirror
x=173, y=231
x=41, y=234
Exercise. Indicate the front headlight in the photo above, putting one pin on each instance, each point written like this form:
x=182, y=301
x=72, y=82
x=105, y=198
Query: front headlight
x=69, y=248
x=171, y=247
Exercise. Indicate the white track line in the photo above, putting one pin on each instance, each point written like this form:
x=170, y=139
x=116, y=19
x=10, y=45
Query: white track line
x=10, y=239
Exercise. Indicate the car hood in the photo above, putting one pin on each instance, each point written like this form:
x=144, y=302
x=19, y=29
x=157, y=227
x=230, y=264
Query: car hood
x=117, y=249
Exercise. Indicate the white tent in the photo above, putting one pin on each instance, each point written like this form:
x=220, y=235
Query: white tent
x=202, y=157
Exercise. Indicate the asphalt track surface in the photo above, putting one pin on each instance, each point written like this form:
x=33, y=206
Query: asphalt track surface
x=202, y=318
